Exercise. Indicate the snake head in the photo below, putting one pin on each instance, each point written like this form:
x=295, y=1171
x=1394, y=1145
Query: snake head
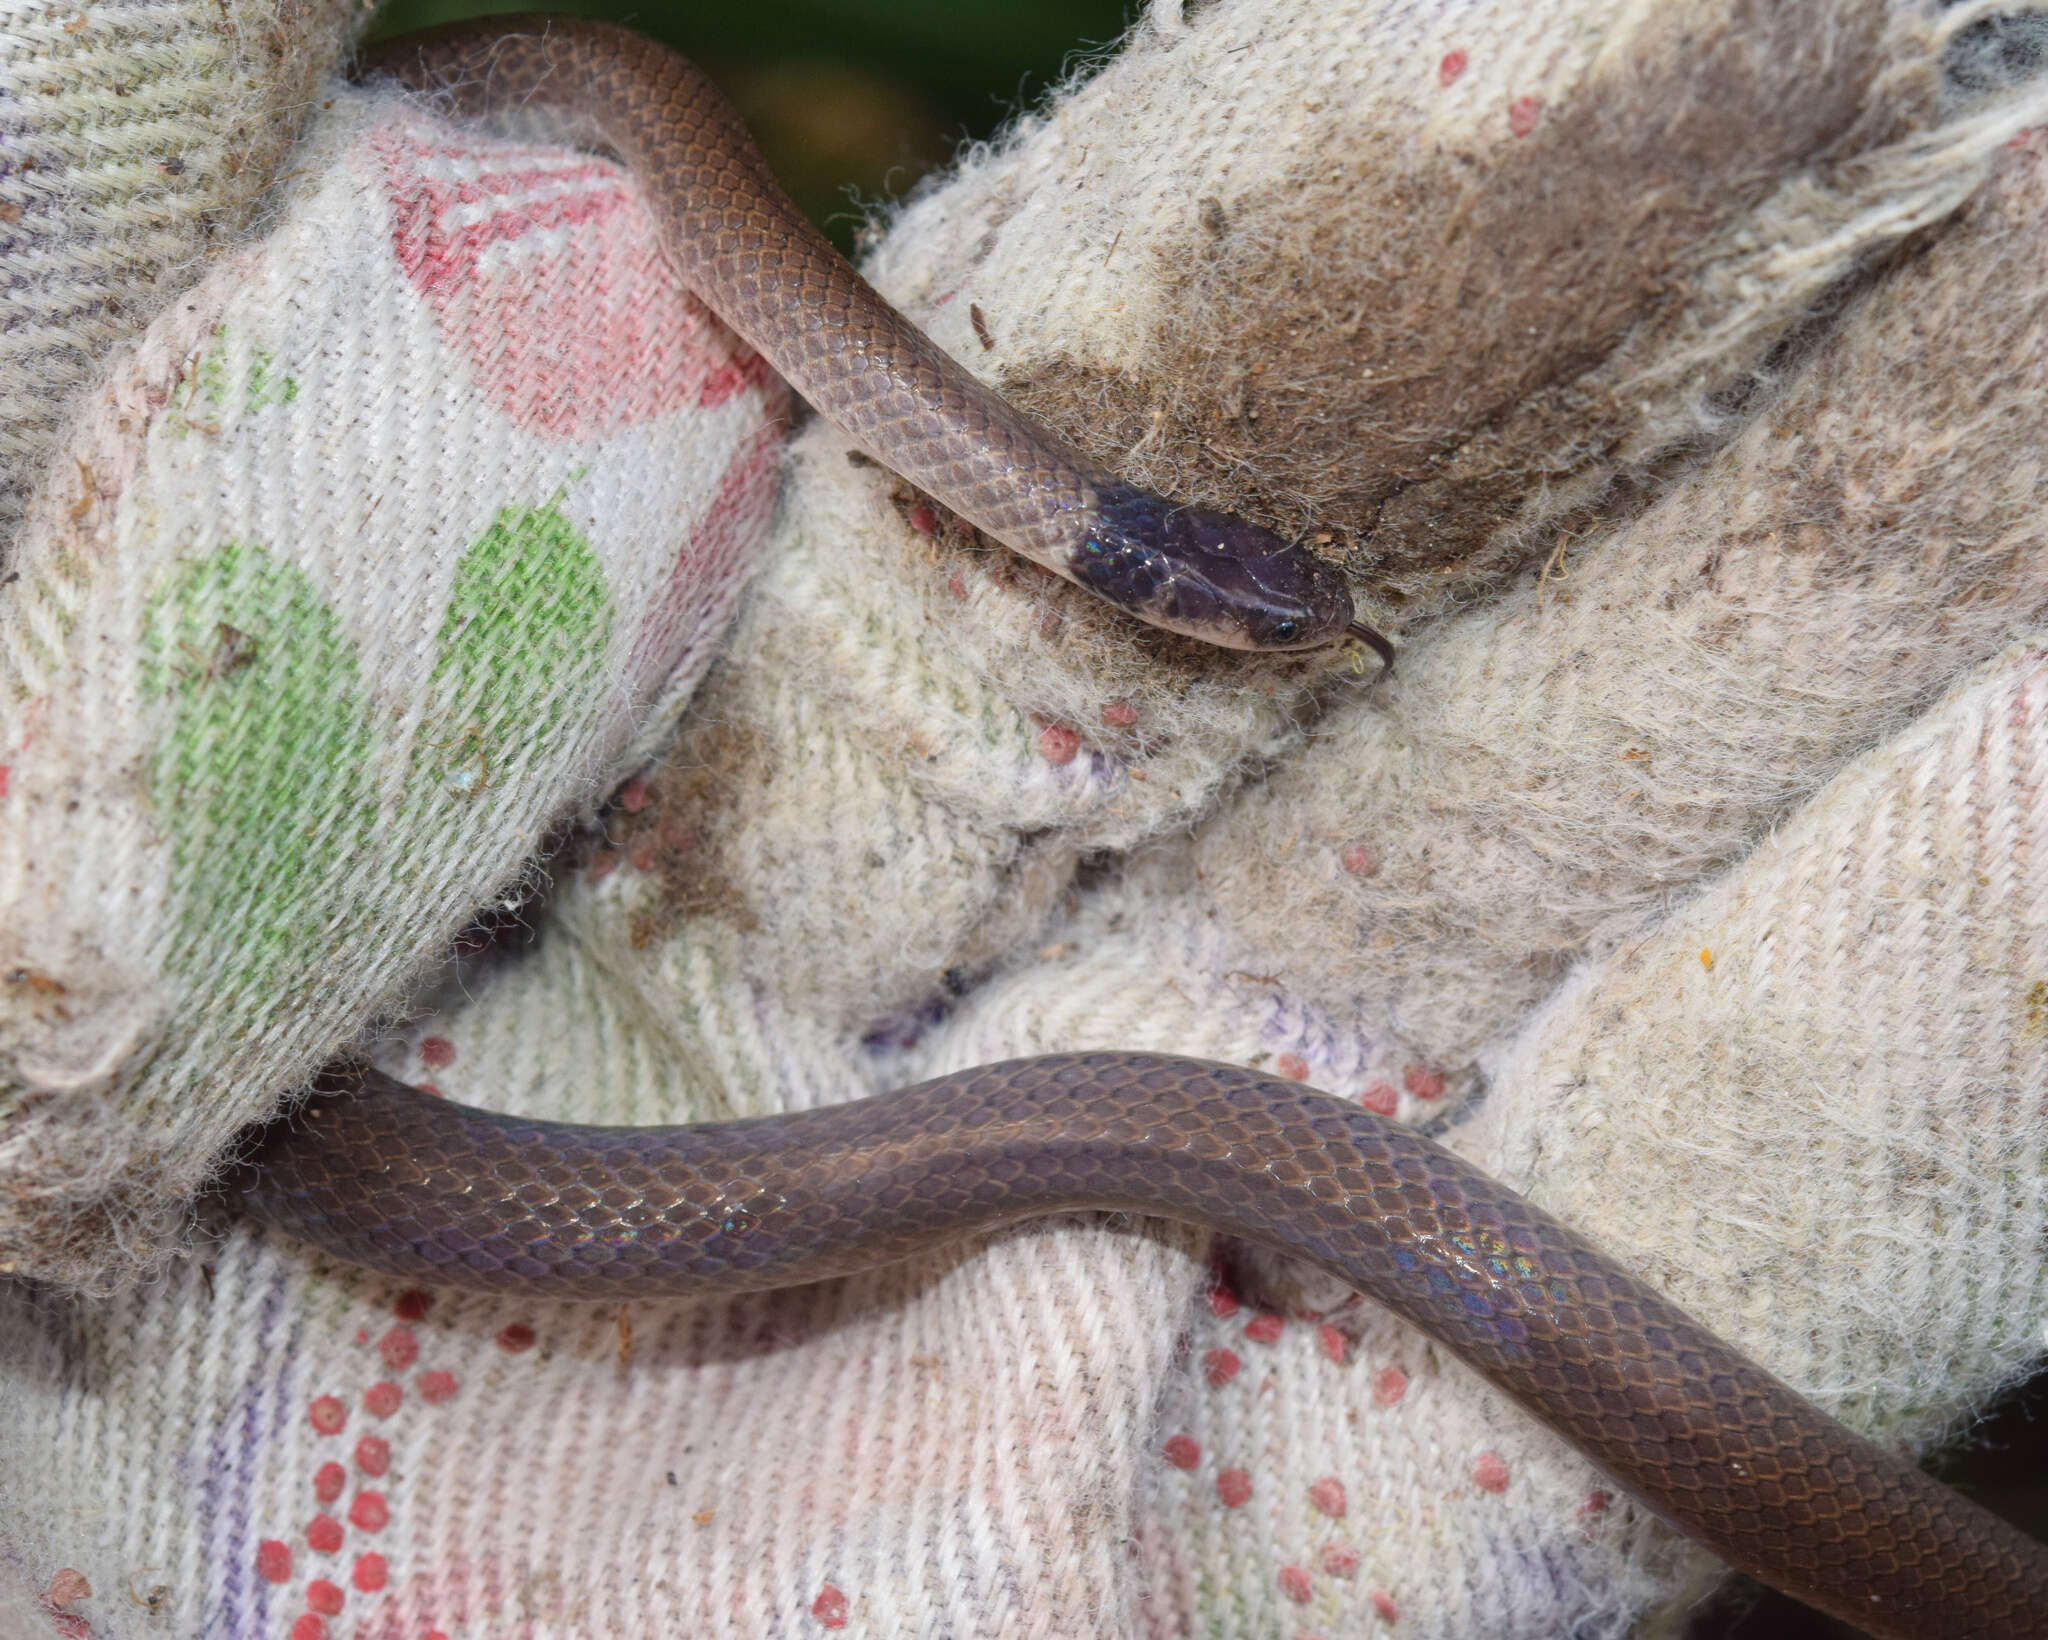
x=1210, y=575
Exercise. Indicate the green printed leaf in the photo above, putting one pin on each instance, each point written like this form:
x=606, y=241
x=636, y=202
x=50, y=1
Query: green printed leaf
x=522, y=647
x=215, y=386
x=264, y=782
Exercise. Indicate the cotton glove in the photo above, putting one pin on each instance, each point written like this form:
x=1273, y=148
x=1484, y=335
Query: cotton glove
x=933, y=808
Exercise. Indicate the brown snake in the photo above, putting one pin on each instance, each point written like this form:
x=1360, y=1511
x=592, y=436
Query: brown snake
x=391, y=1178
x=739, y=243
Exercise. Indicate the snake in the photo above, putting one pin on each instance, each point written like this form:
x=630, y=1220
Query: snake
x=394, y=1178
x=736, y=240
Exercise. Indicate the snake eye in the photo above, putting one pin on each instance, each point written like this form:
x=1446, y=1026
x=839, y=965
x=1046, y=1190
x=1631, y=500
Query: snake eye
x=1282, y=631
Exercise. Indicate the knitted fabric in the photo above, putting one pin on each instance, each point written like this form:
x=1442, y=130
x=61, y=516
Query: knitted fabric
x=1537, y=782
x=1684, y=369
x=135, y=138
x=331, y=655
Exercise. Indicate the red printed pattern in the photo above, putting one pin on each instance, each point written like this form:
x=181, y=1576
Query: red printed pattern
x=337, y=1569
x=545, y=275
x=712, y=562
x=1326, y=1496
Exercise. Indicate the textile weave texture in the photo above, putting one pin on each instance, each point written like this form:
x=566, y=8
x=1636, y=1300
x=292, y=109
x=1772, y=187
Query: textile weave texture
x=425, y=634
x=135, y=139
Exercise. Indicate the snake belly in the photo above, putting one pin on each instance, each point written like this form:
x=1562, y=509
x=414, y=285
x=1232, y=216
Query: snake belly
x=382, y=1175
x=739, y=243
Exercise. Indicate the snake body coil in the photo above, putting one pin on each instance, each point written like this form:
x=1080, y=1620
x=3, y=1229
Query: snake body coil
x=388, y=1177
x=383, y=1175
x=739, y=243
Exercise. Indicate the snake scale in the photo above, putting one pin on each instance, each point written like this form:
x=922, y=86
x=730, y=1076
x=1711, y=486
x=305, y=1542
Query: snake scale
x=394, y=1179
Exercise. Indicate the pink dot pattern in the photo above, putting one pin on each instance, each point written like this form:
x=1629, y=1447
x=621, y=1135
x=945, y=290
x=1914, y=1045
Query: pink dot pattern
x=1327, y=1565
x=347, y=1507
x=830, y=1607
x=1058, y=744
x=1381, y=1098
x=400, y=1348
x=1490, y=1472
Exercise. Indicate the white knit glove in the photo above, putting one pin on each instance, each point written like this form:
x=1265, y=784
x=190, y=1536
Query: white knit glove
x=401, y=539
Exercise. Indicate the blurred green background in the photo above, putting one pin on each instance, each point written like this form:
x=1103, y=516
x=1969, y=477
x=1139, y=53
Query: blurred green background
x=853, y=100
